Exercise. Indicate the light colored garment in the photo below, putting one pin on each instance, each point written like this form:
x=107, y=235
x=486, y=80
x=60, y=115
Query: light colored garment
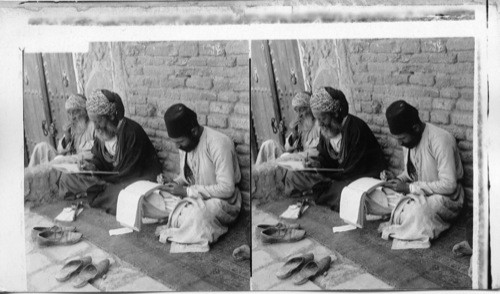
x=335, y=142
x=272, y=150
x=110, y=145
x=80, y=147
x=77, y=150
x=436, y=196
x=213, y=200
x=43, y=153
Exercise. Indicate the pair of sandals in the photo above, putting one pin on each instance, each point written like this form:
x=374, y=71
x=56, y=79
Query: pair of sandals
x=83, y=270
x=305, y=268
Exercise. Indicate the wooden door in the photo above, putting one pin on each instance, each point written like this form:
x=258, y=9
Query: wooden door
x=276, y=77
x=265, y=108
x=287, y=75
x=36, y=110
x=61, y=83
x=49, y=79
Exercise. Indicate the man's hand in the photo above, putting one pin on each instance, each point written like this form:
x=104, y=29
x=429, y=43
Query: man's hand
x=175, y=189
x=312, y=162
x=398, y=186
x=294, y=126
x=67, y=132
x=87, y=165
x=386, y=175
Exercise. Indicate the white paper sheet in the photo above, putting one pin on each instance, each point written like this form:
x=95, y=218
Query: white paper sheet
x=120, y=231
x=344, y=228
x=129, y=202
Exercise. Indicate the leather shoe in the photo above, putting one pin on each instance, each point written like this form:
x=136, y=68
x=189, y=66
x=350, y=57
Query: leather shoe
x=37, y=230
x=312, y=269
x=91, y=273
x=278, y=235
x=49, y=238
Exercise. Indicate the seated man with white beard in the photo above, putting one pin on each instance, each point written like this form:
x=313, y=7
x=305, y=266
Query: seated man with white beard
x=121, y=146
x=41, y=179
x=346, y=143
x=78, y=137
x=303, y=139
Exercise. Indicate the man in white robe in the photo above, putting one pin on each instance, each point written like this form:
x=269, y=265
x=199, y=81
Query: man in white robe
x=303, y=139
x=430, y=182
x=205, y=196
x=41, y=179
x=77, y=141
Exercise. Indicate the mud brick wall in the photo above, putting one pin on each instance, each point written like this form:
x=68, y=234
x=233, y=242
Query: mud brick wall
x=209, y=77
x=435, y=75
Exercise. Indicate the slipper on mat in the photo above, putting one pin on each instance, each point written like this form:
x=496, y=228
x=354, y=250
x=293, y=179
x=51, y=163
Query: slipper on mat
x=312, y=269
x=294, y=265
x=90, y=273
x=72, y=268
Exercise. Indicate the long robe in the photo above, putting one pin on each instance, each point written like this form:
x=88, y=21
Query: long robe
x=436, y=195
x=213, y=201
x=304, y=144
x=359, y=156
x=135, y=159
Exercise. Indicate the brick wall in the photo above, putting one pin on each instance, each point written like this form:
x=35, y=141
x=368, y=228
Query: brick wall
x=209, y=77
x=435, y=75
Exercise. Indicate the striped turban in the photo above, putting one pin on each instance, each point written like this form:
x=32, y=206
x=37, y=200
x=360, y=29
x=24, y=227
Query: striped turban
x=331, y=100
x=301, y=99
x=75, y=101
x=104, y=102
x=321, y=101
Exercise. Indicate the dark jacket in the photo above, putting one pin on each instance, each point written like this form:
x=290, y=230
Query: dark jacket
x=135, y=160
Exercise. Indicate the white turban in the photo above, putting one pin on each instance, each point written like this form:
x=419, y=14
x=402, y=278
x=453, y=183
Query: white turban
x=75, y=101
x=301, y=99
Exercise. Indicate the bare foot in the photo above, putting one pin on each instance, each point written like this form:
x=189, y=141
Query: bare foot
x=241, y=253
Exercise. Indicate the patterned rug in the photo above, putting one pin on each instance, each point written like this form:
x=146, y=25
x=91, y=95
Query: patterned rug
x=433, y=268
x=212, y=271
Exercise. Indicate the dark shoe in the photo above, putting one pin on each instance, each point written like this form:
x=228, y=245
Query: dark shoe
x=37, y=230
x=49, y=238
x=294, y=265
x=72, y=267
x=91, y=273
x=312, y=269
x=278, y=235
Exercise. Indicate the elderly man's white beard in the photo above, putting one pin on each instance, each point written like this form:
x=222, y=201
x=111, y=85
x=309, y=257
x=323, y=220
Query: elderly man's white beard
x=330, y=132
x=104, y=136
x=307, y=123
x=107, y=133
x=80, y=126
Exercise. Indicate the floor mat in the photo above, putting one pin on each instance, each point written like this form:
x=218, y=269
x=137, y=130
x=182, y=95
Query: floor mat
x=214, y=270
x=433, y=268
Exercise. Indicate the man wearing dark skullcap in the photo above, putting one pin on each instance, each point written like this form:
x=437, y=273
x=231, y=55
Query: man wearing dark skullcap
x=121, y=146
x=301, y=141
x=346, y=144
x=430, y=180
x=205, y=192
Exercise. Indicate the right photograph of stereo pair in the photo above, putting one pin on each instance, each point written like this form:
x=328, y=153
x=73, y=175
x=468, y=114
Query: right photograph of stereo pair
x=362, y=164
